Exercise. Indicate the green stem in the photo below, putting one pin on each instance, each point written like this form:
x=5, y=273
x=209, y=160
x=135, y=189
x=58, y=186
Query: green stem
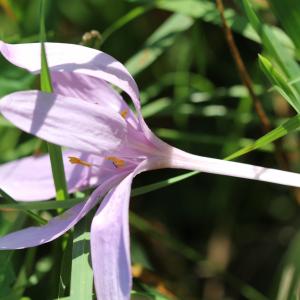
x=30, y=213
x=133, y=14
x=55, y=152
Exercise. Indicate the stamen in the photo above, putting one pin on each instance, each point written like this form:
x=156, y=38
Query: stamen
x=118, y=163
x=124, y=113
x=78, y=161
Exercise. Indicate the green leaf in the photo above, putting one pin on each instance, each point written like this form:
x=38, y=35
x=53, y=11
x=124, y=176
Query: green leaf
x=288, y=13
x=158, y=185
x=284, y=88
x=205, y=139
x=121, y=22
x=66, y=263
x=8, y=259
x=30, y=213
x=287, y=127
x=42, y=205
x=46, y=86
x=207, y=11
x=273, y=45
x=287, y=285
x=7, y=274
x=158, y=42
x=82, y=273
x=155, y=107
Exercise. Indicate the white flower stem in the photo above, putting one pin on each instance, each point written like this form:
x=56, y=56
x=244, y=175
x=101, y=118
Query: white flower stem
x=183, y=160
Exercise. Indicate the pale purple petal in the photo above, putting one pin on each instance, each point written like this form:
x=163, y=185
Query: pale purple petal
x=183, y=160
x=65, y=121
x=34, y=236
x=110, y=241
x=110, y=244
x=81, y=60
x=92, y=89
x=73, y=58
x=30, y=178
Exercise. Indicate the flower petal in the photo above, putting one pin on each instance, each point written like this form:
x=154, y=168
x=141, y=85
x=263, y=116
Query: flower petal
x=110, y=241
x=93, y=90
x=110, y=244
x=30, y=178
x=183, y=160
x=34, y=236
x=80, y=60
x=65, y=121
x=73, y=58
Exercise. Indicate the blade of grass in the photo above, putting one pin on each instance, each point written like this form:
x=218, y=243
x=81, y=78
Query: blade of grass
x=158, y=42
x=280, y=83
x=287, y=284
x=158, y=185
x=155, y=107
x=291, y=125
x=131, y=15
x=65, y=267
x=7, y=273
x=176, y=135
x=273, y=45
x=82, y=273
x=42, y=205
x=8, y=259
x=206, y=11
x=288, y=13
x=30, y=213
x=55, y=152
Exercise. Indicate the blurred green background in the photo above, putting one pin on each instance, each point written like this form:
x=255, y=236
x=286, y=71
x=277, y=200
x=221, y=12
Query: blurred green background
x=208, y=237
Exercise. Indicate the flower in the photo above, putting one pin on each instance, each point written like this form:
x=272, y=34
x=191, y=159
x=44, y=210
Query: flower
x=110, y=146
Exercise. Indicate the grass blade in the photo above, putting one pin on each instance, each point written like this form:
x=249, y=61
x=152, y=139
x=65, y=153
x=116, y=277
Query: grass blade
x=30, y=213
x=288, y=13
x=133, y=14
x=158, y=42
x=206, y=11
x=280, y=83
x=46, y=86
x=273, y=45
x=82, y=274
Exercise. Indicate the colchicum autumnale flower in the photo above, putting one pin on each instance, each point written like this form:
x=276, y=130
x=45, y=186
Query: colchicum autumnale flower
x=108, y=145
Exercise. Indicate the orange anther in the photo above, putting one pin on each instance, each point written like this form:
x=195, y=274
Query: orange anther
x=78, y=161
x=118, y=163
x=124, y=113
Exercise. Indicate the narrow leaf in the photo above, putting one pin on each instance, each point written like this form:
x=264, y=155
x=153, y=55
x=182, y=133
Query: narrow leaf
x=82, y=274
x=273, y=45
x=288, y=13
x=46, y=86
x=158, y=42
x=284, y=88
x=30, y=213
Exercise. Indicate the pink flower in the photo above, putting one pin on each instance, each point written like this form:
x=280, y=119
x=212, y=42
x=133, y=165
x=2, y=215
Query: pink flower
x=110, y=146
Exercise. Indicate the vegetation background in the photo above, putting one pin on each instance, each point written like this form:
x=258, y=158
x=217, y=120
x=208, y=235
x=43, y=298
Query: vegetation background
x=207, y=237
